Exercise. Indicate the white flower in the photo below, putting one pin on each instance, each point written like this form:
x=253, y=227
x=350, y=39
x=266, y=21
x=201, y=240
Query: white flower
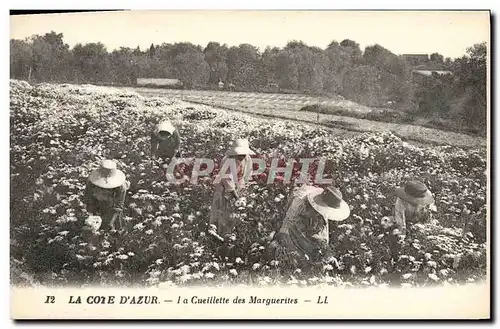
x=407, y=276
x=123, y=257
x=185, y=278
x=238, y=260
x=433, y=277
x=233, y=272
x=264, y=280
x=94, y=222
x=255, y=266
x=149, y=232
x=209, y=275
x=328, y=279
x=241, y=202
x=386, y=221
x=432, y=263
x=139, y=226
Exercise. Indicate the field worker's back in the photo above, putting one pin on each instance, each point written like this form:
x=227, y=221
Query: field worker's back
x=165, y=140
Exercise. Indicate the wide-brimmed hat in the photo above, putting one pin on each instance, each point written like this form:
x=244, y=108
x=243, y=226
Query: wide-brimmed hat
x=416, y=193
x=107, y=175
x=165, y=126
x=239, y=147
x=329, y=204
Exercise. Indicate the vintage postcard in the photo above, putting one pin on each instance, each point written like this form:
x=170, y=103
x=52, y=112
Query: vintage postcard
x=250, y=165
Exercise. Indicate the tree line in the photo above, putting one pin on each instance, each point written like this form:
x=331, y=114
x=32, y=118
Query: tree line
x=371, y=77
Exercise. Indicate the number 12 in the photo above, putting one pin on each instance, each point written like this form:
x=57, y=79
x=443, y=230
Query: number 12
x=50, y=300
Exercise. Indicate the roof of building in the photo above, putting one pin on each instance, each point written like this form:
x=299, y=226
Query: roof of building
x=431, y=66
x=158, y=81
x=416, y=55
x=429, y=72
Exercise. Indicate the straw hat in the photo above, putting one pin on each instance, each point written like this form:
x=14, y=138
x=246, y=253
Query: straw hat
x=416, y=193
x=329, y=204
x=165, y=126
x=107, y=175
x=239, y=147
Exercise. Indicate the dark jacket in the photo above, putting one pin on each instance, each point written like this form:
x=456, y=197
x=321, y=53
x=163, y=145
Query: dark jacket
x=165, y=148
x=106, y=202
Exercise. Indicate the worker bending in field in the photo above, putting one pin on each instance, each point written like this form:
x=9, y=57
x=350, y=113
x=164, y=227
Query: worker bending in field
x=303, y=238
x=105, y=194
x=414, y=203
x=228, y=189
x=165, y=142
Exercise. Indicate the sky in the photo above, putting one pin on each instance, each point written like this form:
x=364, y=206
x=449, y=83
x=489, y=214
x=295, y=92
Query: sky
x=418, y=32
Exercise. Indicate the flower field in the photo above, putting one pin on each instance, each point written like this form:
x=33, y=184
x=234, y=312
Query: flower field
x=61, y=132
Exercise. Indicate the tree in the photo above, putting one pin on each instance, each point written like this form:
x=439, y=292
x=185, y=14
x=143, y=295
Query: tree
x=245, y=68
x=216, y=57
x=286, y=70
x=188, y=64
x=152, y=51
x=437, y=58
x=91, y=63
x=471, y=81
x=354, y=50
x=20, y=59
x=123, y=65
x=363, y=84
x=384, y=60
x=339, y=60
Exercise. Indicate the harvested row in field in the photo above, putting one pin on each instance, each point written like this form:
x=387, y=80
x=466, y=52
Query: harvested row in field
x=274, y=109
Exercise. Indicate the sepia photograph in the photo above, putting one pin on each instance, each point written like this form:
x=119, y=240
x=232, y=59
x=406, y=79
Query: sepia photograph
x=225, y=150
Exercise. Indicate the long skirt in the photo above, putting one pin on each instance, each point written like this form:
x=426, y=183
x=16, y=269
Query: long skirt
x=222, y=214
x=296, y=250
x=106, y=212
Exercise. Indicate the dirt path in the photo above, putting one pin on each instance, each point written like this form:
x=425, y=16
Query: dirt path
x=339, y=125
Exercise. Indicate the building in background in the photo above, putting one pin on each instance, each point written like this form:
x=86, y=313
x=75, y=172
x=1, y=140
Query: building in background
x=160, y=83
x=416, y=59
x=428, y=70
